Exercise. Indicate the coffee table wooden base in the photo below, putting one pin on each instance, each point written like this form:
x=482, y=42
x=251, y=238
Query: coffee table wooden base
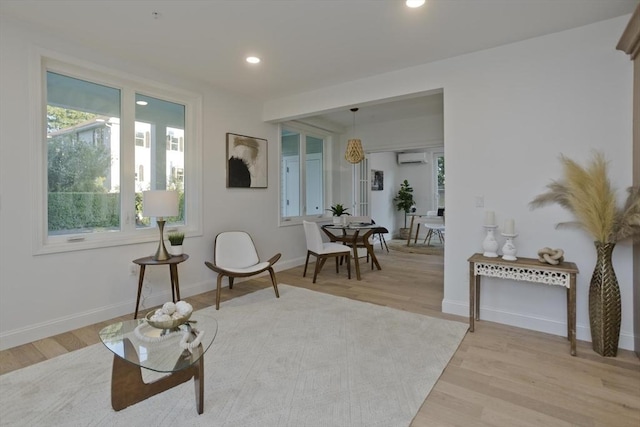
x=128, y=388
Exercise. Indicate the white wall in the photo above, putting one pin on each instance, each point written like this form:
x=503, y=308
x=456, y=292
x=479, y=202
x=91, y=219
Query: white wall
x=48, y=294
x=508, y=113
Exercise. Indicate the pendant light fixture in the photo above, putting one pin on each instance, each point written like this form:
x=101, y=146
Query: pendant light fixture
x=354, y=153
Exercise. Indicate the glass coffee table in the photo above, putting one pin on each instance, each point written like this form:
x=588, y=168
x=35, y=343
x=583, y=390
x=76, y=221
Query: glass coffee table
x=179, y=353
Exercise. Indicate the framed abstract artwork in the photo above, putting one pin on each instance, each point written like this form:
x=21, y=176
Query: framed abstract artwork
x=246, y=161
x=377, y=180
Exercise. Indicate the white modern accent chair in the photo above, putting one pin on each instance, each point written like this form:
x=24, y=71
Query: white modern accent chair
x=434, y=225
x=322, y=250
x=235, y=255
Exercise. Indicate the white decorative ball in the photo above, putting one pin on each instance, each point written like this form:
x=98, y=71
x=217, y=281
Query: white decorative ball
x=169, y=308
x=183, y=307
x=160, y=318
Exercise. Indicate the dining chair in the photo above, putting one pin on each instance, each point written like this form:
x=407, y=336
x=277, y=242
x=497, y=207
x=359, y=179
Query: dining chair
x=435, y=225
x=322, y=250
x=377, y=234
x=235, y=255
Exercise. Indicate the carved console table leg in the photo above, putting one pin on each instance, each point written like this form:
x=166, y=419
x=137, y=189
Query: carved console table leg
x=472, y=297
x=571, y=309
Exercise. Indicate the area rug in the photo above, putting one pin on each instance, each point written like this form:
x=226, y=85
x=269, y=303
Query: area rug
x=305, y=359
x=416, y=248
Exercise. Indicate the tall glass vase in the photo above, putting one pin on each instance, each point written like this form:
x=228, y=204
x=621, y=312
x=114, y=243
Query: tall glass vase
x=604, y=303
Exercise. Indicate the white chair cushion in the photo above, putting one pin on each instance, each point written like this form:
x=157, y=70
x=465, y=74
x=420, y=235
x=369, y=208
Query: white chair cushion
x=334, y=248
x=235, y=249
x=251, y=269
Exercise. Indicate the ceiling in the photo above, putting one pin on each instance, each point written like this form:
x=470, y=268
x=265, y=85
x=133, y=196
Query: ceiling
x=304, y=44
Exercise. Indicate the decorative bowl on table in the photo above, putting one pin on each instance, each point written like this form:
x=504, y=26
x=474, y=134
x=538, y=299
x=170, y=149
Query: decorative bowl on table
x=172, y=323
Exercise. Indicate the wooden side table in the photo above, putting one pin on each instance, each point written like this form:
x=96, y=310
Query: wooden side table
x=173, y=272
x=526, y=269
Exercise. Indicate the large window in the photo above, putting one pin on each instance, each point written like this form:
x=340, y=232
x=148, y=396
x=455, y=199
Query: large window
x=108, y=140
x=302, y=173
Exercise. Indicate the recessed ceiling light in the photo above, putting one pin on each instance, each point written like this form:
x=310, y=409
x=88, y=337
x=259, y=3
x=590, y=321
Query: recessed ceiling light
x=142, y=102
x=414, y=3
x=253, y=59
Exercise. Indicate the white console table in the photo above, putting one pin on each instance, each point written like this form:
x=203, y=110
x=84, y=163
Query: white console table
x=526, y=269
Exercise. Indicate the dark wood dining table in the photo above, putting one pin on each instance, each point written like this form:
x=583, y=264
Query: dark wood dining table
x=356, y=236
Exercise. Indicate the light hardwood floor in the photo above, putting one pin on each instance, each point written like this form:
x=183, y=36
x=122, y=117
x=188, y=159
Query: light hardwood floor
x=499, y=376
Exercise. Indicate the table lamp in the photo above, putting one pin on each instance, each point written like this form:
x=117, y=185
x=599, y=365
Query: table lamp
x=160, y=204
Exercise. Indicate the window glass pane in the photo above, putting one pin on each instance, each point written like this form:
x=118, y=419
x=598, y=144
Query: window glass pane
x=313, y=174
x=159, y=127
x=83, y=152
x=290, y=179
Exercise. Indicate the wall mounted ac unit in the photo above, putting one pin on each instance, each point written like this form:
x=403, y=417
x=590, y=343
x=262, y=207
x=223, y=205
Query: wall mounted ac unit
x=404, y=158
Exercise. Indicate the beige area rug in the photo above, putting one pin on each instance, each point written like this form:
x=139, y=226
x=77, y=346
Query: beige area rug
x=435, y=248
x=305, y=359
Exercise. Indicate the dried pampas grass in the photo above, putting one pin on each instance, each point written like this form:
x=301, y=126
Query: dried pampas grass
x=587, y=193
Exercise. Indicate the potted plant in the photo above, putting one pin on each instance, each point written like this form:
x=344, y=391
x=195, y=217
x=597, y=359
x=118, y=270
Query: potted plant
x=586, y=192
x=338, y=211
x=176, y=238
x=404, y=202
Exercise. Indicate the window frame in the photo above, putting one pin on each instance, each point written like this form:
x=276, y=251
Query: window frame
x=43, y=61
x=327, y=169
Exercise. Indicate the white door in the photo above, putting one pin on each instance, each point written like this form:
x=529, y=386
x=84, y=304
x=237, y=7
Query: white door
x=314, y=185
x=291, y=188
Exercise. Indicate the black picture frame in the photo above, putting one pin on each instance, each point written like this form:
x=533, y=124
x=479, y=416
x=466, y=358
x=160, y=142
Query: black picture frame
x=377, y=180
x=246, y=161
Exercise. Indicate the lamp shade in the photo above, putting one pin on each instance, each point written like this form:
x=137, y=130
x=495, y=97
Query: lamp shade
x=354, y=153
x=159, y=203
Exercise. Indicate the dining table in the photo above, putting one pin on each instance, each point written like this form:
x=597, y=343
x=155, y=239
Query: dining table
x=355, y=235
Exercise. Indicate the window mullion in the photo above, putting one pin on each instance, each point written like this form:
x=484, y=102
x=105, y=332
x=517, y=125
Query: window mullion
x=127, y=162
x=303, y=174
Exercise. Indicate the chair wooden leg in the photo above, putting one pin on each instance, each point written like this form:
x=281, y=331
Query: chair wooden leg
x=349, y=266
x=219, y=288
x=304, y=273
x=385, y=242
x=337, y=265
x=315, y=271
x=274, y=282
x=230, y=282
x=417, y=232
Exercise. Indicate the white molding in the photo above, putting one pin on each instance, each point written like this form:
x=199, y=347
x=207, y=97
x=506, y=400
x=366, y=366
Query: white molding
x=540, y=324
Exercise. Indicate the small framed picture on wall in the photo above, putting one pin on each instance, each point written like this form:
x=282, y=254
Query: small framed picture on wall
x=246, y=161
x=377, y=180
